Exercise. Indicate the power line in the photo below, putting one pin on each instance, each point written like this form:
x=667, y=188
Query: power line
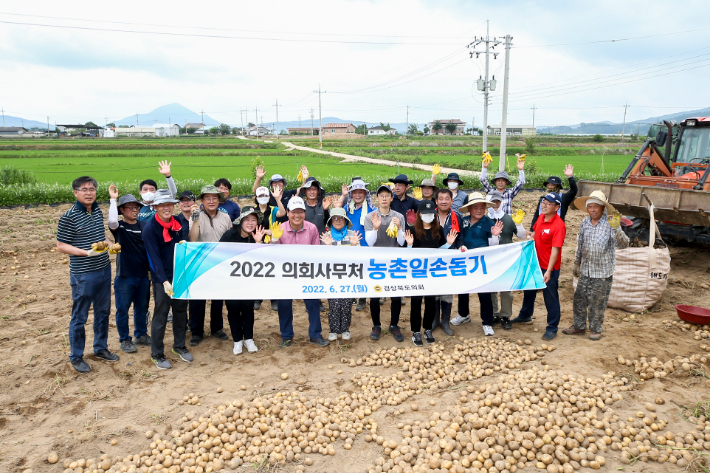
x=614, y=40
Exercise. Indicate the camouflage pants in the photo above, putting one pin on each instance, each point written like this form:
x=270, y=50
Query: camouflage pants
x=590, y=300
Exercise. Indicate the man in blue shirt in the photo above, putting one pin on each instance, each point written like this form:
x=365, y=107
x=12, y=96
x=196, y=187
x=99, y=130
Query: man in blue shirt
x=478, y=231
x=402, y=202
x=232, y=208
x=89, y=272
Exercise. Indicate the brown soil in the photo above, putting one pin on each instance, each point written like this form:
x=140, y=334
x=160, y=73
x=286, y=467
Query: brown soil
x=46, y=406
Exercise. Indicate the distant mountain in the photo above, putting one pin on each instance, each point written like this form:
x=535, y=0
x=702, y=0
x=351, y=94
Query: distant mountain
x=306, y=123
x=19, y=121
x=172, y=113
x=610, y=128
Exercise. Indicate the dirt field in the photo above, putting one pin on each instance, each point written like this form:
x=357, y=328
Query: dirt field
x=46, y=406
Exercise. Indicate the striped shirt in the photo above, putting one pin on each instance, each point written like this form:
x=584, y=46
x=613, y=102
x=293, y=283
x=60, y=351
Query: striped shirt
x=596, y=245
x=508, y=194
x=80, y=228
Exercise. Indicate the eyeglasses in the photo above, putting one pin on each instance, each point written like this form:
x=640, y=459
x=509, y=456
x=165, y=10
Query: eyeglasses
x=87, y=190
x=338, y=218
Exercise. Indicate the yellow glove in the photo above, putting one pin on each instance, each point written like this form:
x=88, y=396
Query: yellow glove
x=436, y=169
x=168, y=288
x=392, y=230
x=615, y=219
x=114, y=249
x=518, y=217
x=522, y=157
x=487, y=158
x=97, y=248
x=276, y=231
x=418, y=193
x=300, y=176
x=267, y=239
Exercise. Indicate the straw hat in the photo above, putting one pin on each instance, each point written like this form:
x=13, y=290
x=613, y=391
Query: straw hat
x=477, y=198
x=596, y=197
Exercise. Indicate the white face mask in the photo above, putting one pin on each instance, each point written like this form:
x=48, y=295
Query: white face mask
x=428, y=218
x=452, y=185
x=148, y=196
x=262, y=200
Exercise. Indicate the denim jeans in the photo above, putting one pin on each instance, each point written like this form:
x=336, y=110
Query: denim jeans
x=129, y=291
x=286, y=318
x=87, y=289
x=552, y=302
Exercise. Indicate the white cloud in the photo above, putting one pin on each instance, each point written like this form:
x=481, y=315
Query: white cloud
x=86, y=74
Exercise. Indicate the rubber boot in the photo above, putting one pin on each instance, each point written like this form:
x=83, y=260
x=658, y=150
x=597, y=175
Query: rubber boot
x=437, y=317
x=446, y=317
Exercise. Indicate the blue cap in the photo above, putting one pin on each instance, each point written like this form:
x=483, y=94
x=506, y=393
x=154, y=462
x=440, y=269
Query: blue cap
x=552, y=197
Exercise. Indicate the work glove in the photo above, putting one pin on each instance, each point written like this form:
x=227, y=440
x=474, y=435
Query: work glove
x=411, y=216
x=114, y=249
x=487, y=158
x=576, y=270
x=522, y=157
x=276, y=231
x=417, y=193
x=97, y=248
x=392, y=230
x=436, y=169
x=518, y=217
x=300, y=176
x=168, y=288
x=615, y=219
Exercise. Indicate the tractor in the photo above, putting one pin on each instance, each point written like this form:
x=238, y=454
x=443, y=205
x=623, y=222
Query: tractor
x=671, y=174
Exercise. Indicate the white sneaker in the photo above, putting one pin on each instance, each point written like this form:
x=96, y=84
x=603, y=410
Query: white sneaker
x=237, y=348
x=458, y=320
x=251, y=346
x=346, y=335
x=332, y=336
x=488, y=330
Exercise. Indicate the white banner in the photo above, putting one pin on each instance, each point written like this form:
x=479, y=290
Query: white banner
x=256, y=271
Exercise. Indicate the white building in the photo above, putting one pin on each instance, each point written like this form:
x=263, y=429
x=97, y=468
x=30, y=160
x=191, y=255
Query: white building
x=136, y=131
x=108, y=133
x=513, y=130
x=259, y=131
x=165, y=129
x=378, y=130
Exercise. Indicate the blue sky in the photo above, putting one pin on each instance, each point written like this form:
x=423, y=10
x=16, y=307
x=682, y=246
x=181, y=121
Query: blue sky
x=76, y=69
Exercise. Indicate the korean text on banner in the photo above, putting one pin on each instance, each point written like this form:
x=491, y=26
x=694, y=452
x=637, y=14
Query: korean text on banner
x=256, y=271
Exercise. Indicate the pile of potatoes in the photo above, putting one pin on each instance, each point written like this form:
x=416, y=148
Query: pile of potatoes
x=654, y=368
x=700, y=332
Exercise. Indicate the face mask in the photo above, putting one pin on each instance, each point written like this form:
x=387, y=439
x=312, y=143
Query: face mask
x=496, y=214
x=262, y=200
x=148, y=196
x=428, y=218
x=453, y=185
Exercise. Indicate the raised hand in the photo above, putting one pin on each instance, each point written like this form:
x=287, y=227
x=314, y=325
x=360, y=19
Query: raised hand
x=614, y=219
x=259, y=233
x=277, y=193
x=260, y=171
x=326, y=238
x=327, y=202
x=487, y=160
x=521, y=161
x=276, y=231
x=112, y=192
x=518, y=216
x=411, y=216
x=345, y=190
x=376, y=221
x=569, y=170
x=451, y=237
x=436, y=170
x=497, y=228
x=409, y=238
x=417, y=191
x=304, y=172
x=164, y=168
x=354, y=238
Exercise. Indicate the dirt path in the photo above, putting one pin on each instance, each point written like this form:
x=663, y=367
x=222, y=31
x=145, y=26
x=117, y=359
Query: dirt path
x=349, y=158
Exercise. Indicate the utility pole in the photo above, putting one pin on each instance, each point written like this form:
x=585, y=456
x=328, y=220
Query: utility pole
x=299, y=121
x=533, y=109
x=623, y=127
x=47, y=126
x=504, y=122
x=485, y=85
x=406, y=131
x=3, y=116
x=136, y=118
x=203, y=116
x=311, y=122
x=320, y=117
x=246, y=117
x=277, y=119
x=256, y=120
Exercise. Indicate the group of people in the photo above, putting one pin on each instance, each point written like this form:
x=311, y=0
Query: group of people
x=146, y=231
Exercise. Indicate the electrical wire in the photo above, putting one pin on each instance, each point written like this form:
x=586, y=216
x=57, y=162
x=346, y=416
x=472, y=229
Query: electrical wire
x=616, y=40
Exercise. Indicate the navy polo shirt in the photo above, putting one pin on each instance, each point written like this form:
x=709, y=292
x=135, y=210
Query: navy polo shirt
x=231, y=208
x=132, y=261
x=476, y=235
x=402, y=206
x=80, y=228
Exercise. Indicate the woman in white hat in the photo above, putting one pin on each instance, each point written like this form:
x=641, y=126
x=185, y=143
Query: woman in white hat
x=340, y=234
x=594, y=262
